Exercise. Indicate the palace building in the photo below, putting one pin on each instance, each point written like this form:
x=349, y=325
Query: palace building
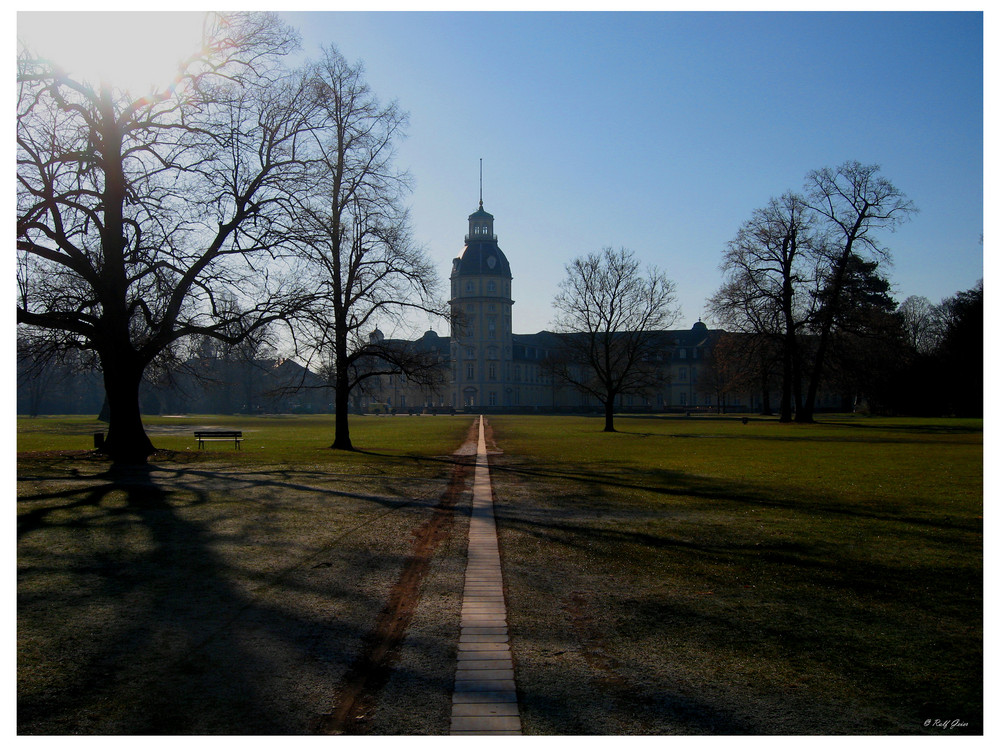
x=489, y=368
x=482, y=366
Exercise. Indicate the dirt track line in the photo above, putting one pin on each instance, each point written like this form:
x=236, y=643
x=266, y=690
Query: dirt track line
x=362, y=683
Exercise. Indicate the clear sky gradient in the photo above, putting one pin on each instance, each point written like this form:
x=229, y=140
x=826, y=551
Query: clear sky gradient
x=660, y=132
x=663, y=131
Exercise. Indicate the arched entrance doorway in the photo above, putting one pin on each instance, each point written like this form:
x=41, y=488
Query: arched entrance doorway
x=469, y=398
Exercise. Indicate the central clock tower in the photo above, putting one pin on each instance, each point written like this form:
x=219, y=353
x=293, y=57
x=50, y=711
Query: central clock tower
x=481, y=351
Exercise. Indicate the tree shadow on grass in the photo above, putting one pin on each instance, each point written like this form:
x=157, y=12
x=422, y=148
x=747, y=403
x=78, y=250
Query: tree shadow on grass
x=862, y=597
x=140, y=616
x=675, y=483
x=880, y=431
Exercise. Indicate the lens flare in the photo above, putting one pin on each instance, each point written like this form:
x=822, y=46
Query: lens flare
x=138, y=51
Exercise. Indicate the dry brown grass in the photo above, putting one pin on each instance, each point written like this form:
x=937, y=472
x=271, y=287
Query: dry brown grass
x=199, y=597
x=738, y=580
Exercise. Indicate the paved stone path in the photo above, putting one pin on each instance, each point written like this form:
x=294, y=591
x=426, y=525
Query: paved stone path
x=485, y=699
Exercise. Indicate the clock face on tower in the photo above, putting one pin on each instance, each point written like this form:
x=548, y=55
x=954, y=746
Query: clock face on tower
x=491, y=261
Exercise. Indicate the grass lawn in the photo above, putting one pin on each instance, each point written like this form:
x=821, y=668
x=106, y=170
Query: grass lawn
x=232, y=592
x=705, y=576
x=686, y=575
x=277, y=439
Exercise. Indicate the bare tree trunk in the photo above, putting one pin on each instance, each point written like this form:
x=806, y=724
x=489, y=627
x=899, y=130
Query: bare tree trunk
x=765, y=391
x=609, y=415
x=342, y=428
x=788, y=375
x=127, y=442
x=341, y=423
x=805, y=413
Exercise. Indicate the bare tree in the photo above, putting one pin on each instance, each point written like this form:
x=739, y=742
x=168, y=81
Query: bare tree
x=922, y=323
x=353, y=231
x=732, y=367
x=770, y=270
x=853, y=202
x=608, y=312
x=135, y=212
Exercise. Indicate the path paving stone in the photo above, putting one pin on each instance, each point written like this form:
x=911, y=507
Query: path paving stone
x=484, y=709
x=480, y=655
x=482, y=675
x=495, y=696
x=483, y=667
x=484, y=701
x=485, y=723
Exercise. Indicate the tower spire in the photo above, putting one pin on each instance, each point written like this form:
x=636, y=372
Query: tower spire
x=480, y=183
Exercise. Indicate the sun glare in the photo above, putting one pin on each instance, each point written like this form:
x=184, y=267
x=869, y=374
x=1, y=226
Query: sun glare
x=139, y=51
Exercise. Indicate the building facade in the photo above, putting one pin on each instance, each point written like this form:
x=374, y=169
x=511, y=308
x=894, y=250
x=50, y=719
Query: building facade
x=489, y=368
x=484, y=366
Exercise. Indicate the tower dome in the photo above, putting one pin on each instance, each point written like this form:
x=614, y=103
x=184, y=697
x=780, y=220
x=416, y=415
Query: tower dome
x=482, y=254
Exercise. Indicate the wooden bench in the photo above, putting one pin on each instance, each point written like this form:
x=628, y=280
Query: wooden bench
x=204, y=436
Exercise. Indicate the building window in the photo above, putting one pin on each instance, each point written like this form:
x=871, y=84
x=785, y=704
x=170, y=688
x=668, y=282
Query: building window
x=491, y=287
x=468, y=287
x=493, y=372
x=683, y=374
x=491, y=328
x=493, y=399
x=470, y=371
x=682, y=353
x=684, y=399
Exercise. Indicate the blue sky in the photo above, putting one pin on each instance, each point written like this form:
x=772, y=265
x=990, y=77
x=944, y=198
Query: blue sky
x=662, y=132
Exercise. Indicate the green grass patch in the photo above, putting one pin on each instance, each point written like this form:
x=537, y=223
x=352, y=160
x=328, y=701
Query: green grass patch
x=747, y=578
x=684, y=575
x=223, y=591
x=273, y=439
